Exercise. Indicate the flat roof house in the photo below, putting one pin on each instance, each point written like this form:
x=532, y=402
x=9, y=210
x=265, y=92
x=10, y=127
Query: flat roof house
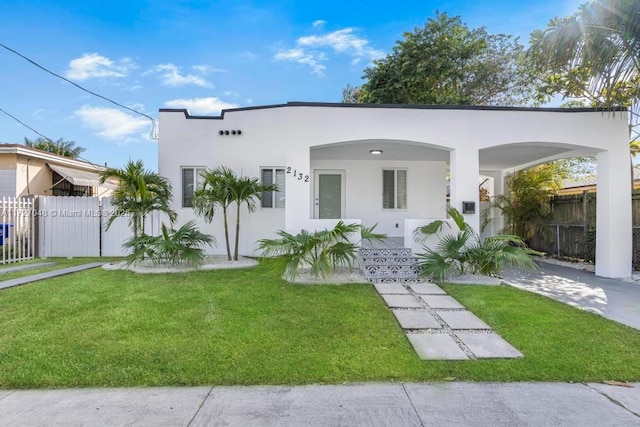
x=388, y=164
x=26, y=171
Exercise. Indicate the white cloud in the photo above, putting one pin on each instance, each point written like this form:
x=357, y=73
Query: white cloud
x=93, y=65
x=205, y=69
x=111, y=123
x=211, y=105
x=312, y=50
x=170, y=75
x=319, y=23
x=301, y=56
x=343, y=41
x=249, y=56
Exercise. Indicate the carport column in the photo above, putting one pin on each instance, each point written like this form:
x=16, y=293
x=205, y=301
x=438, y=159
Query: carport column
x=613, y=213
x=496, y=224
x=298, y=188
x=464, y=177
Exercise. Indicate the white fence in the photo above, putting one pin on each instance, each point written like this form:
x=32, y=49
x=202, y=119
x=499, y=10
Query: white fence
x=76, y=227
x=16, y=229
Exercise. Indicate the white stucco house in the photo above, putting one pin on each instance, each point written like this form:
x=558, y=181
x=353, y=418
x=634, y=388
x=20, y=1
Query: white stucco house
x=387, y=164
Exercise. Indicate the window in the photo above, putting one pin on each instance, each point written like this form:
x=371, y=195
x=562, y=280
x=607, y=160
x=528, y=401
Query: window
x=273, y=199
x=394, y=189
x=62, y=187
x=190, y=180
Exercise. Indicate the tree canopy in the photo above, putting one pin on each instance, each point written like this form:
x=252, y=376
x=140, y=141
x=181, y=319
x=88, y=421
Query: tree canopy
x=593, y=56
x=446, y=62
x=60, y=147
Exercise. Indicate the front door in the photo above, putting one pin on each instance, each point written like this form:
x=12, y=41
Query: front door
x=329, y=194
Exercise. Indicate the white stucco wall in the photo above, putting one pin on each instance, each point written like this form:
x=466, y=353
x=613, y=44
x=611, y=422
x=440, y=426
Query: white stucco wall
x=285, y=135
x=426, y=191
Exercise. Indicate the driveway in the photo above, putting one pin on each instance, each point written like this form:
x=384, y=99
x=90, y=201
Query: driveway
x=614, y=299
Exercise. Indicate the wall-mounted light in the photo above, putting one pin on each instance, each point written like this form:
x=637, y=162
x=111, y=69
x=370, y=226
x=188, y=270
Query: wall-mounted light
x=375, y=152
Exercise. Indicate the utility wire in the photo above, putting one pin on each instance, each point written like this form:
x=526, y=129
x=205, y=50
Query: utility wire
x=153, y=123
x=44, y=136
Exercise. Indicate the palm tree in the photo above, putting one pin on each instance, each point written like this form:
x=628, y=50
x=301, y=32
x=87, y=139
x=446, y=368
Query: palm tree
x=215, y=192
x=246, y=190
x=464, y=252
x=220, y=188
x=139, y=192
x=60, y=147
x=595, y=54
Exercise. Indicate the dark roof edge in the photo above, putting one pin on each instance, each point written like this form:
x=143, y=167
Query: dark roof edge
x=396, y=106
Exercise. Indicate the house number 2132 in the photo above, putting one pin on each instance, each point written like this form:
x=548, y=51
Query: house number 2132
x=299, y=175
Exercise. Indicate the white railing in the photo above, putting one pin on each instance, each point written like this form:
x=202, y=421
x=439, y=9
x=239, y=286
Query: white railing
x=17, y=229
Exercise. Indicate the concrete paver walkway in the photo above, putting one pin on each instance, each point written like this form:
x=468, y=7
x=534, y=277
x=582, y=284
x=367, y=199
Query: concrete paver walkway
x=375, y=404
x=614, y=299
x=439, y=327
x=47, y=275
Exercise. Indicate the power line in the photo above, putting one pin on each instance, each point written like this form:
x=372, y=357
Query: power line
x=43, y=136
x=153, y=123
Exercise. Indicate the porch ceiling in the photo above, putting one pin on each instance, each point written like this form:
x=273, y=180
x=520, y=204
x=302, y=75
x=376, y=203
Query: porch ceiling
x=511, y=156
x=391, y=150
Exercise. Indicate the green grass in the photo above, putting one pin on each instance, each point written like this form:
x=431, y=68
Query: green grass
x=60, y=263
x=116, y=328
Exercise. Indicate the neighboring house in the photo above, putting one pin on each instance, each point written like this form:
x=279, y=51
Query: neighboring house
x=589, y=184
x=26, y=171
x=387, y=164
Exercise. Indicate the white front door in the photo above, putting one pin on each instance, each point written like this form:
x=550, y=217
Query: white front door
x=329, y=201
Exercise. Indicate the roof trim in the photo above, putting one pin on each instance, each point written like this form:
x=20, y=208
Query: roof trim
x=48, y=157
x=390, y=106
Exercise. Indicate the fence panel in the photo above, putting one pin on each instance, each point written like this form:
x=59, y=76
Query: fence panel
x=120, y=231
x=69, y=226
x=17, y=231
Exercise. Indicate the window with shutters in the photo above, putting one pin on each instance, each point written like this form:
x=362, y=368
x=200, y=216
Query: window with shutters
x=273, y=199
x=394, y=189
x=190, y=180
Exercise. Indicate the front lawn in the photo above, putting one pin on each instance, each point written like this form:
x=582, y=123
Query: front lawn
x=116, y=328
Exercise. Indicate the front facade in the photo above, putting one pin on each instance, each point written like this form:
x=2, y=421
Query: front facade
x=26, y=172
x=388, y=165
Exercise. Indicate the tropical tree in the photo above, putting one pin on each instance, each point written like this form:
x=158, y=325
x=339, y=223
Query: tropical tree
x=60, y=147
x=526, y=204
x=220, y=188
x=464, y=252
x=139, y=192
x=594, y=56
x=321, y=251
x=213, y=193
x=446, y=62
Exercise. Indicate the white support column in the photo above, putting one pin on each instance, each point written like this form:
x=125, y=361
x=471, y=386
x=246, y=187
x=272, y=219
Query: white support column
x=464, y=174
x=298, y=188
x=614, y=230
x=497, y=220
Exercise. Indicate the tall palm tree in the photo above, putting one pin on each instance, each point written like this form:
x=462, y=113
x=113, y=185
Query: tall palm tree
x=246, y=191
x=60, y=147
x=221, y=188
x=214, y=193
x=139, y=192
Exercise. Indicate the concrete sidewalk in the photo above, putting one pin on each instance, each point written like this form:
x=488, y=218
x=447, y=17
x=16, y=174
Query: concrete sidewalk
x=376, y=404
x=614, y=299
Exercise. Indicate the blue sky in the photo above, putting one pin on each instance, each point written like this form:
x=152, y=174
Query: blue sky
x=203, y=55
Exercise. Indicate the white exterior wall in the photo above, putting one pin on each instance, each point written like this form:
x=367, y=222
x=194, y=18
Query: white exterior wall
x=284, y=136
x=426, y=191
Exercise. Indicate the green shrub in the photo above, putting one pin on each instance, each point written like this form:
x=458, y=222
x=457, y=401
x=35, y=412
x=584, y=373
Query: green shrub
x=464, y=252
x=184, y=246
x=322, y=251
